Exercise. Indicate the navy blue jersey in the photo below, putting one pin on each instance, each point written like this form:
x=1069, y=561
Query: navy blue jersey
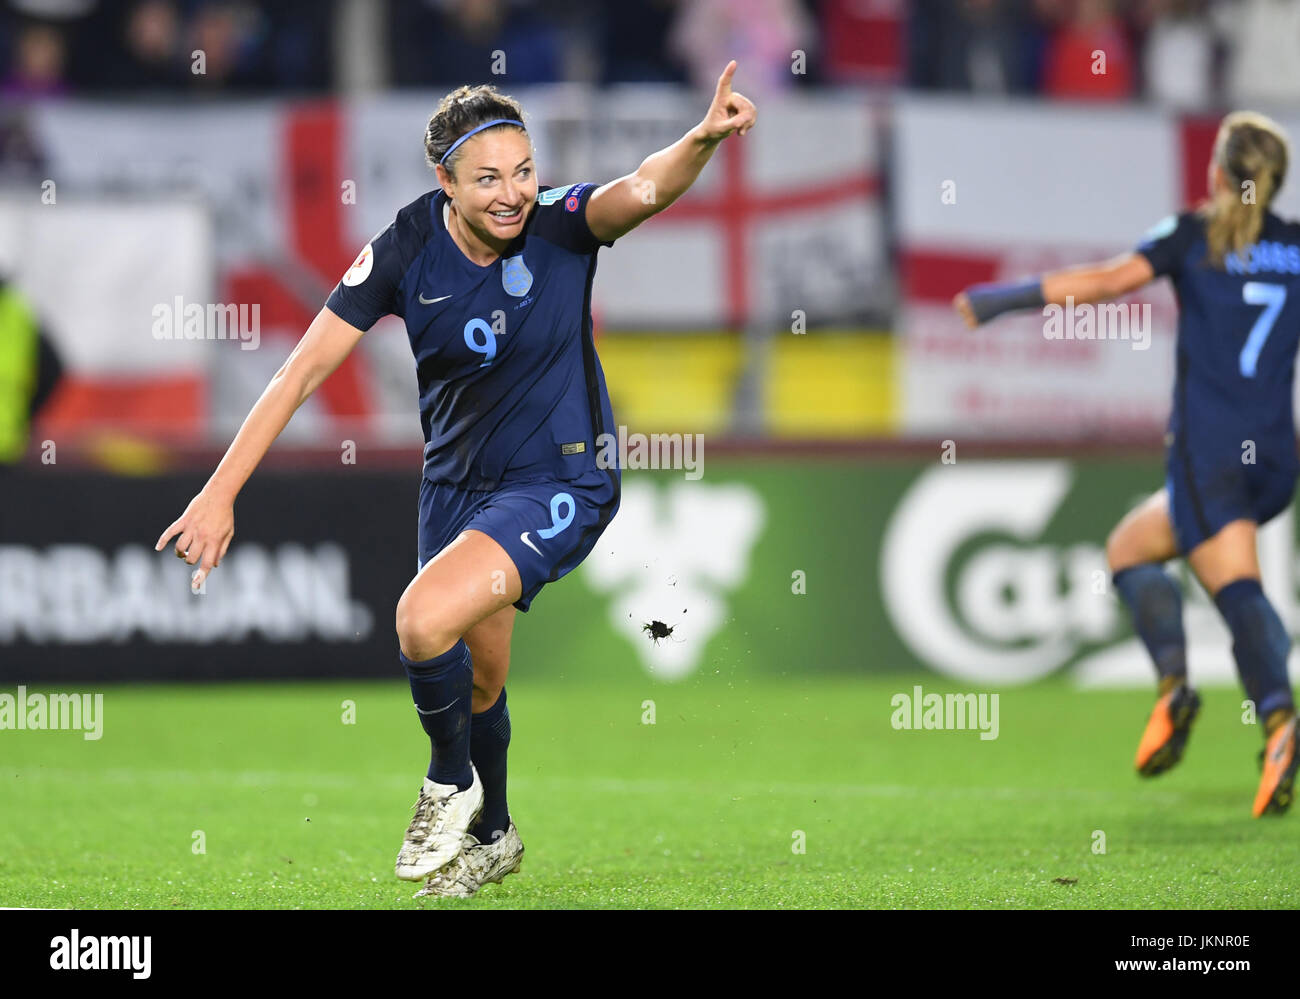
x=1238, y=329
x=510, y=386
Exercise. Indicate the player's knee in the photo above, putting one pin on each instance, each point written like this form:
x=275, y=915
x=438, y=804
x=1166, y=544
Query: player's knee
x=1118, y=552
x=486, y=693
x=422, y=632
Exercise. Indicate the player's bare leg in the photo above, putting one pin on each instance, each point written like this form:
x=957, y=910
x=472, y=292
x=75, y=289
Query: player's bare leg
x=1144, y=535
x=1229, y=555
x=1135, y=552
x=1228, y=567
x=489, y=646
x=469, y=581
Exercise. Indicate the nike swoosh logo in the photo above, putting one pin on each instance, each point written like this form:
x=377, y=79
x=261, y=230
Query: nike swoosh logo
x=524, y=538
x=430, y=301
x=435, y=711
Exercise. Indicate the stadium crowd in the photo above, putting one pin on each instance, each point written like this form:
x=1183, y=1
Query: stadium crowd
x=1187, y=53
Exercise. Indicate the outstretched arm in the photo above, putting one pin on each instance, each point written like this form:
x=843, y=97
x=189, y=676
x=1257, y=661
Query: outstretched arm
x=207, y=526
x=1089, y=283
x=621, y=205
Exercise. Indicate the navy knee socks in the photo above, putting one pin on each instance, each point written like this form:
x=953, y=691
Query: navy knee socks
x=442, y=687
x=1157, y=607
x=1260, y=645
x=489, y=739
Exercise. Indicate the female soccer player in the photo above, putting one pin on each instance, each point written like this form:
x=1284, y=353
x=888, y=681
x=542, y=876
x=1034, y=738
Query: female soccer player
x=493, y=277
x=1231, y=447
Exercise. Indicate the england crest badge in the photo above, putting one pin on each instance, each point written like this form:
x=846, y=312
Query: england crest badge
x=516, y=278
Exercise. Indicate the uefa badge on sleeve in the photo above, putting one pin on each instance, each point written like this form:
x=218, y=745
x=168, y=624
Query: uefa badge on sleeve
x=360, y=269
x=516, y=278
x=575, y=197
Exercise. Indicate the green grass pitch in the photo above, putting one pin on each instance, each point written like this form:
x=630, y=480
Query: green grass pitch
x=703, y=808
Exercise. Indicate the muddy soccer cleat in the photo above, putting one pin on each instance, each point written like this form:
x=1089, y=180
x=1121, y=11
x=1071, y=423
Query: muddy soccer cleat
x=477, y=865
x=1167, y=730
x=443, y=815
x=1279, y=760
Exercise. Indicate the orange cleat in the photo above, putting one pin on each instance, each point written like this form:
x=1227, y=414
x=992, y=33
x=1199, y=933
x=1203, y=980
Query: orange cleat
x=1167, y=730
x=1279, y=760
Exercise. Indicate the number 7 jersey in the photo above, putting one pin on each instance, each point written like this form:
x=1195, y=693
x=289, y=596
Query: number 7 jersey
x=511, y=389
x=1238, y=330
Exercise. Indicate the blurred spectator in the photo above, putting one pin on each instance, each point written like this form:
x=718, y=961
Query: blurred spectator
x=761, y=35
x=229, y=36
x=1179, y=54
x=22, y=160
x=1089, y=55
x=979, y=45
x=633, y=40
x=450, y=42
x=300, y=47
x=39, y=57
x=863, y=40
x=1264, y=55
x=30, y=370
x=151, y=55
x=245, y=46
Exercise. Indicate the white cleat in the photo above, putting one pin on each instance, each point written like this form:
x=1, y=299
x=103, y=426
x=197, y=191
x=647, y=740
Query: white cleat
x=442, y=818
x=477, y=865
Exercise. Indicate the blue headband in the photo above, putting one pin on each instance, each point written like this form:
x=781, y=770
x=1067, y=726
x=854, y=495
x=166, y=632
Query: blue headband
x=475, y=131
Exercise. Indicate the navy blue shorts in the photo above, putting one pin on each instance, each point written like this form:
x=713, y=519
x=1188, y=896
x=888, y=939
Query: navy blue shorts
x=1205, y=493
x=547, y=528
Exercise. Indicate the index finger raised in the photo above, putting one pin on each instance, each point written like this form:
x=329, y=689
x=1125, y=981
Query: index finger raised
x=724, y=81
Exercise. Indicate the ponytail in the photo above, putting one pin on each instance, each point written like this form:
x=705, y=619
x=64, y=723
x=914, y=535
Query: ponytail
x=1252, y=151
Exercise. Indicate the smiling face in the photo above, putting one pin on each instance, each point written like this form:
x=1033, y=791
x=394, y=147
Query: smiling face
x=495, y=184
